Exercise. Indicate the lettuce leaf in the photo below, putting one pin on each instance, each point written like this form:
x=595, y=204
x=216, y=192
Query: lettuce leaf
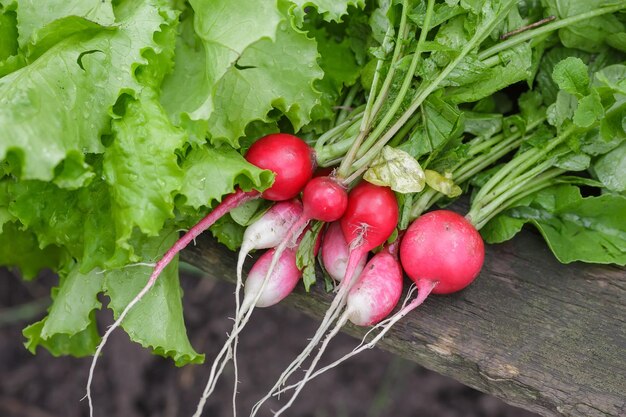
x=156, y=322
x=61, y=103
x=227, y=76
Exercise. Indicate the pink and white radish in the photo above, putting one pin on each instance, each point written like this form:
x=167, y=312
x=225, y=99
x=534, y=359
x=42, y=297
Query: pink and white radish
x=324, y=199
x=267, y=232
x=369, y=301
x=288, y=157
x=369, y=219
x=259, y=291
x=335, y=253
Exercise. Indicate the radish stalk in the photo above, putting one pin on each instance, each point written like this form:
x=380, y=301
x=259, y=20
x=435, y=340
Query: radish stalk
x=230, y=202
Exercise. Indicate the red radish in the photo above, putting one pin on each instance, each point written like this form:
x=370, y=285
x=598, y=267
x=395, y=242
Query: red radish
x=370, y=218
x=324, y=199
x=370, y=300
x=443, y=247
x=335, y=253
x=259, y=292
x=288, y=157
x=265, y=233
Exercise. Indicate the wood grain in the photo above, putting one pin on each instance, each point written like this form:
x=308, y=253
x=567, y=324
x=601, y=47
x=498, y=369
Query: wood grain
x=543, y=336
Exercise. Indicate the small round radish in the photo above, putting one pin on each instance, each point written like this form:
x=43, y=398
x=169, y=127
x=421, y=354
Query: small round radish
x=444, y=247
x=324, y=199
x=335, y=253
x=290, y=159
x=371, y=216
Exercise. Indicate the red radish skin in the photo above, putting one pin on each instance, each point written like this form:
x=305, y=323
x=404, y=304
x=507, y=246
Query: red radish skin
x=370, y=218
x=369, y=301
x=444, y=247
x=324, y=199
x=287, y=156
x=335, y=253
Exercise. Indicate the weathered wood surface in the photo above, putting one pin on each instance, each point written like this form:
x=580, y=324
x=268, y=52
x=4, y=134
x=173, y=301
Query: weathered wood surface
x=547, y=337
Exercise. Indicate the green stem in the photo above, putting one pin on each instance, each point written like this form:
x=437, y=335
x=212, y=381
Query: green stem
x=402, y=35
x=347, y=104
x=494, y=60
x=361, y=165
x=466, y=171
x=374, y=101
x=494, y=149
x=540, y=182
x=501, y=181
x=333, y=152
x=336, y=133
x=550, y=27
x=478, y=213
x=406, y=84
x=404, y=131
x=426, y=199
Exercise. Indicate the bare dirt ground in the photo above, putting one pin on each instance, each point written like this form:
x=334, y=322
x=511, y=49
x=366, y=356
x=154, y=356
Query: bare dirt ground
x=131, y=382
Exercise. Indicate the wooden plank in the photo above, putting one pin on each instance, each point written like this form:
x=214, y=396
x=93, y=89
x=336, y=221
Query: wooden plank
x=543, y=336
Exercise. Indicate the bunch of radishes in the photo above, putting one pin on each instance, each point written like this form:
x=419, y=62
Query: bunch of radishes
x=441, y=251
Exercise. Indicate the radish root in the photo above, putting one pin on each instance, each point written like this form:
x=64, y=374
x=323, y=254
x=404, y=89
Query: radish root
x=231, y=201
x=331, y=315
x=245, y=311
x=424, y=290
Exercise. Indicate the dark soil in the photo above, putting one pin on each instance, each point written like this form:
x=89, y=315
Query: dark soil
x=130, y=382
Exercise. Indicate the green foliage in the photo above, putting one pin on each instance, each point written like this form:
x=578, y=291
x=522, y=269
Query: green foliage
x=305, y=256
x=589, y=229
